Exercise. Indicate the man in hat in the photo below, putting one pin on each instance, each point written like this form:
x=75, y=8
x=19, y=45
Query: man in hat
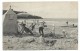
x=41, y=27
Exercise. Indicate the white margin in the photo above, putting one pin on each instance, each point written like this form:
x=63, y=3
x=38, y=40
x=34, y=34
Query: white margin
x=1, y=23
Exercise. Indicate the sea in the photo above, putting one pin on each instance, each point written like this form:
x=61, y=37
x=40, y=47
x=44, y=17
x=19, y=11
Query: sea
x=51, y=21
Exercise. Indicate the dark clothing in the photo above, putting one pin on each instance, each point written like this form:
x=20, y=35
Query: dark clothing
x=27, y=30
x=41, y=31
x=24, y=28
x=33, y=27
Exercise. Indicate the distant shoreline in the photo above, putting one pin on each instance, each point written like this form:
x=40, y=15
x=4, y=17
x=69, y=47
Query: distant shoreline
x=55, y=19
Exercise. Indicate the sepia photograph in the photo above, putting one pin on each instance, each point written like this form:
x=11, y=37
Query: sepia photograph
x=40, y=25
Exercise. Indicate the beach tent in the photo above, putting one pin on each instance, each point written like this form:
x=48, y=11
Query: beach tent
x=10, y=22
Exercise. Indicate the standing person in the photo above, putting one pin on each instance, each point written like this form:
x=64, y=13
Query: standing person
x=73, y=25
x=41, y=29
x=67, y=23
x=64, y=33
x=32, y=26
x=38, y=22
x=22, y=29
x=43, y=22
x=19, y=28
x=53, y=29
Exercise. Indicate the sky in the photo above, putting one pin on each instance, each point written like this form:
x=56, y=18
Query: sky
x=46, y=9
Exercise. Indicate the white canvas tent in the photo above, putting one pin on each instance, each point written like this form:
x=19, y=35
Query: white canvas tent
x=10, y=22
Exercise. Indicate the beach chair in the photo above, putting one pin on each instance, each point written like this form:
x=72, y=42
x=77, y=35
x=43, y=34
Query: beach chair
x=25, y=29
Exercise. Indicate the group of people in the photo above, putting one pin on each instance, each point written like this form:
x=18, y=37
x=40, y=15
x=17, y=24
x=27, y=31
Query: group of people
x=23, y=28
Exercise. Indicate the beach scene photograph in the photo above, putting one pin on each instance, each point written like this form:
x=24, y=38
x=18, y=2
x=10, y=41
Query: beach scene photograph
x=40, y=25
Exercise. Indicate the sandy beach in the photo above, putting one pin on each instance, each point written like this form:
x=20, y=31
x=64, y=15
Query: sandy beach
x=27, y=42
x=40, y=25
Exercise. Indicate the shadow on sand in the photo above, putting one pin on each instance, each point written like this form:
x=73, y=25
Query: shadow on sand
x=49, y=35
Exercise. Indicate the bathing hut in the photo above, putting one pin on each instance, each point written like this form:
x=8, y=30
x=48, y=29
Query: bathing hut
x=10, y=22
